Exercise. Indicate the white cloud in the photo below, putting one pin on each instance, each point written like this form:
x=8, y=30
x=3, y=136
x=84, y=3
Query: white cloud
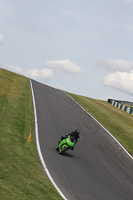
x=65, y=66
x=40, y=74
x=13, y=68
x=61, y=87
x=120, y=80
x=115, y=65
x=1, y=38
x=44, y=74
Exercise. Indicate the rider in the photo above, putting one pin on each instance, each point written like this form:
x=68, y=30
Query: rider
x=74, y=135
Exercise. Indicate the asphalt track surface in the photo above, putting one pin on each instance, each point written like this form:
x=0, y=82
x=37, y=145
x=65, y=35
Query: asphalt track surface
x=98, y=168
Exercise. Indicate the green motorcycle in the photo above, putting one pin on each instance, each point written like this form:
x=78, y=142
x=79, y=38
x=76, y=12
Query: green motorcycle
x=65, y=144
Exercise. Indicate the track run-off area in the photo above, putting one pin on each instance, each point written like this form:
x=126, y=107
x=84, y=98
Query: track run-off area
x=98, y=168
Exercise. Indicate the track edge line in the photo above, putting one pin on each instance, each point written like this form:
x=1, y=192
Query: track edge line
x=38, y=146
x=102, y=127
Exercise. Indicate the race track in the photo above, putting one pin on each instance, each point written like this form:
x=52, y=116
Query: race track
x=98, y=168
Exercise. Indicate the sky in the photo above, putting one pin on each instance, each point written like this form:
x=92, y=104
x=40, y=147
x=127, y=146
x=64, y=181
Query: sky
x=80, y=46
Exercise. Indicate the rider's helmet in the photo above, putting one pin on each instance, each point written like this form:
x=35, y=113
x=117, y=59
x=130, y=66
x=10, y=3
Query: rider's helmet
x=76, y=133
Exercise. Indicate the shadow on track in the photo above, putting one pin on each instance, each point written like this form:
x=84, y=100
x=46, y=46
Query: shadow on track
x=66, y=154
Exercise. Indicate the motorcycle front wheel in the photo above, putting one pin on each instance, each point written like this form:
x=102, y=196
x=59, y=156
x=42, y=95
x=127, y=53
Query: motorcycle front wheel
x=63, y=149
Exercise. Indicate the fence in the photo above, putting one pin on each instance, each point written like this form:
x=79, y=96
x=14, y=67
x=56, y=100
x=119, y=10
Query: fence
x=121, y=106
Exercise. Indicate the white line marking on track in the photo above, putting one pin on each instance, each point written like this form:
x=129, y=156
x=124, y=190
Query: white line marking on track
x=39, y=149
x=101, y=126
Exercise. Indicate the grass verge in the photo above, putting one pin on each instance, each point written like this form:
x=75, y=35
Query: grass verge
x=21, y=175
x=118, y=122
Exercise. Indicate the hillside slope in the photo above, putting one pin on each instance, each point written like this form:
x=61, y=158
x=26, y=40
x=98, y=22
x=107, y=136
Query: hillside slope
x=118, y=122
x=21, y=175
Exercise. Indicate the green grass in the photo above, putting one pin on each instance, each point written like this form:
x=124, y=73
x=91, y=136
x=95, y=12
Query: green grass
x=21, y=175
x=118, y=122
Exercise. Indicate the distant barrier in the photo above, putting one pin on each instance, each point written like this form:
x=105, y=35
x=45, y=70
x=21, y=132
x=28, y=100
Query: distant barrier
x=120, y=105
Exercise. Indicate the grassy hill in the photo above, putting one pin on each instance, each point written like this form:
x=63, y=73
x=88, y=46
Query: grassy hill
x=21, y=175
x=118, y=122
